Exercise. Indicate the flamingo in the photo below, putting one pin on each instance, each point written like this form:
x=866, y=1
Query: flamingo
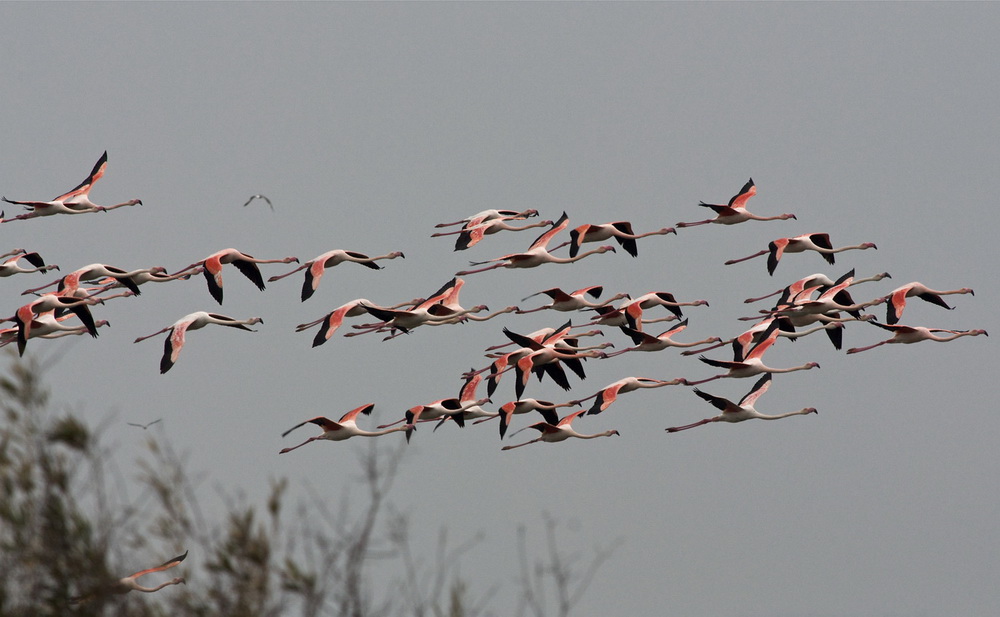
x=751, y=364
x=342, y=429
x=647, y=342
x=736, y=210
x=247, y=264
x=621, y=231
x=897, y=298
x=915, y=334
x=194, y=321
x=130, y=582
x=733, y=412
x=76, y=201
x=561, y=431
x=818, y=242
x=334, y=319
x=24, y=317
x=93, y=272
x=664, y=299
x=10, y=267
x=834, y=327
x=542, y=357
x=831, y=299
x=329, y=259
x=491, y=215
x=537, y=254
x=47, y=325
x=813, y=280
x=526, y=405
x=470, y=235
x=625, y=316
x=609, y=393
x=439, y=409
x=573, y=301
x=156, y=274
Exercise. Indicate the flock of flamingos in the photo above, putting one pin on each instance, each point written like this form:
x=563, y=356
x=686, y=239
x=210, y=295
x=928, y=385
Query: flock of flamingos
x=811, y=304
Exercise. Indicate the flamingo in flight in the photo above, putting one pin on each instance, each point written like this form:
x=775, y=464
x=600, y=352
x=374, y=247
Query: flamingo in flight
x=507, y=411
x=736, y=210
x=543, y=358
x=572, y=301
x=813, y=280
x=664, y=299
x=335, y=318
x=130, y=582
x=76, y=201
x=247, y=264
x=897, y=298
x=470, y=235
x=819, y=242
x=318, y=265
x=751, y=364
x=560, y=431
x=744, y=410
x=156, y=274
x=175, y=339
x=537, y=254
x=25, y=316
x=47, y=325
x=10, y=267
x=621, y=231
x=916, y=334
x=342, y=429
x=609, y=394
x=93, y=272
x=491, y=215
x=648, y=342
x=830, y=300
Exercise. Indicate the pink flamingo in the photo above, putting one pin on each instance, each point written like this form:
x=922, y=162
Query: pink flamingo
x=10, y=267
x=818, y=242
x=194, y=321
x=491, y=215
x=318, y=265
x=897, y=298
x=342, y=429
x=752, y=364
x=561, y=431
x=25, y=316
x=47, y=325
x=470, y=235
x=664, y=299
x=130, y=582
x=647, y=342
x=93, y=272
x=76, y=201
x=733, y=412
x=247, y=264
x=572, y=301
x=609, y=394
x=334, y=319
x=621, y=231
x=915, y=334
x=736, y=210
x=526, y=405
x=537, y=254
x=813, y=280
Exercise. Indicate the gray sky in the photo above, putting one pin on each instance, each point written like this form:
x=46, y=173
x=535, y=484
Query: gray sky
x=366, y=124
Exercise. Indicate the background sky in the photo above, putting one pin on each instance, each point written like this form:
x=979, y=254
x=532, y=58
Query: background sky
x=366, y=124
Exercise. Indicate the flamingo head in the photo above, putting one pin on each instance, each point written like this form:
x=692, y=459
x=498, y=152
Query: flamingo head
x=869, y=245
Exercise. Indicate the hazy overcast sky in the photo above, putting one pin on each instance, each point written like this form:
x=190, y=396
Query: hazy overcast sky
x=366, y=124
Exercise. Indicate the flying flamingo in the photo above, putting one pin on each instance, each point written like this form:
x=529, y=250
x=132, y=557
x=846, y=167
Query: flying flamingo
x=621, y=231
x=609, y=394
x=786, y=328
x=536, y=254
x=626, y=316
x=664, y=299
x=736, y=210
x=47, y=325
x=194, y=321
x=830, y=300
x=813, y=280
x=732, y=412
x=818, y=242
x=130, y=582
x=526, y=405
x=334, y=319
x=491, y=215
x=751, y=364
x=543, y=357
x=342, y=429
x=93, y=272
x=76, y=201
x=915, y=334
x=572, y=301
x=470, y=235
x=25, y=316
x=647, y=342
x=561, y=431
x=156, y=274
x=10, y=267
x=246, y=264
x=897, y=298
x=329, y=259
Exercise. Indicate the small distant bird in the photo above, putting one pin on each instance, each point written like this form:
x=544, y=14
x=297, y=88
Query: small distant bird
x=259, y=196
x=145, y=426
x=732, y=412
x=129, y=583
